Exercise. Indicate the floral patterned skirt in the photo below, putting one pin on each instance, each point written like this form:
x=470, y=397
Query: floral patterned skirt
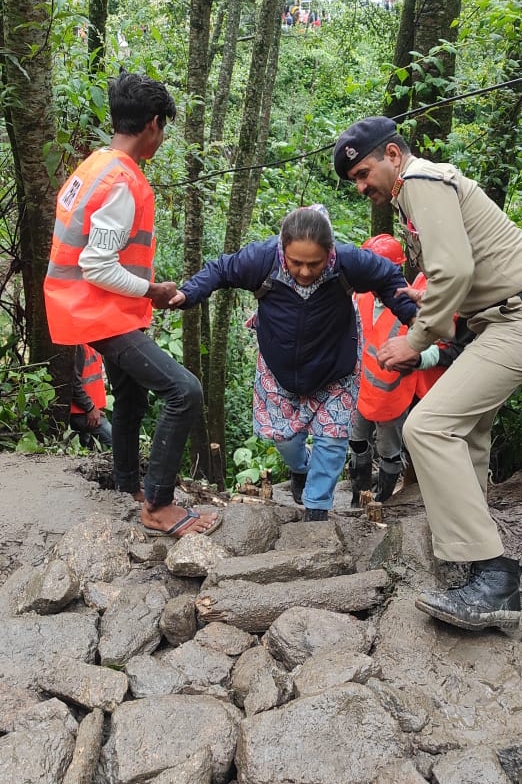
x=279, y=415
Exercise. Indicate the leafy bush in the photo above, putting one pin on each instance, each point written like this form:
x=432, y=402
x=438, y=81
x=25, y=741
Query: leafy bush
x=25, y=395
x=256, y=456
x=506, y=439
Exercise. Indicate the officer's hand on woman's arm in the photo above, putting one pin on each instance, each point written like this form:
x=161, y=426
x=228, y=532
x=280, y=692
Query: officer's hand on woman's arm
x=414, y=294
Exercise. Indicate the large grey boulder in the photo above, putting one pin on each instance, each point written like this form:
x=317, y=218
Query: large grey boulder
x=130, y=625
x=199, y=665
x=310, y=536
x=50, y=589
x=148, y=676
x=403, y=772
x=333, y=667
x=301, y=632
x=247, y=529
x=178, y=619
x=342, y=735
x=194, y=555
x=87, y=749
x=93, y=552
x=87, y=685
x=150, y=736
x=224, y=638
x=252, y=662
x=40, y=747
x=195, y=770
x=13, y=701
x=475, y=765
x=30, y=643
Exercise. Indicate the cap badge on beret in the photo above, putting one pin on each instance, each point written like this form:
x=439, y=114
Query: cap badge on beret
x=351, y=153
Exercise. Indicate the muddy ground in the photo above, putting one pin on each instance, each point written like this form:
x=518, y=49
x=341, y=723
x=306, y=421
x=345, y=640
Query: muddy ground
x=42, y=496
x=472, y=679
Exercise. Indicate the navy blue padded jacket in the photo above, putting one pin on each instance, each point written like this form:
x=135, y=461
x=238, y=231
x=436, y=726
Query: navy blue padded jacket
x=306, y=343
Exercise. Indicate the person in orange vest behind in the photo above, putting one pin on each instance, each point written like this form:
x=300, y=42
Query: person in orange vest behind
x=385, y=397
x=100, y=289
x=89, y=398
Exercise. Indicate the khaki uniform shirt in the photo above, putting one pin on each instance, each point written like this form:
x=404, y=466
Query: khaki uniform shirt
x=464, y=243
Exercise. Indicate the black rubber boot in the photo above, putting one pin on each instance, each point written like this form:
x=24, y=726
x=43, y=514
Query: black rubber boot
x=385, y=485
x=315, y=514
x=297, y=483
x=491, y=597
x=360, y=472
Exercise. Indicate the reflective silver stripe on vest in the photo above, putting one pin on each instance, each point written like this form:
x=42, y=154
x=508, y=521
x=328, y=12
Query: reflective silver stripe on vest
x=372, y=352
x=64, y=271
x=73, y=233
x=379, y=384
x=91, y=379
x=68, y=272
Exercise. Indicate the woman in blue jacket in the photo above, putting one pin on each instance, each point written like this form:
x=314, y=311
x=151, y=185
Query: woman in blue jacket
x=306, y=380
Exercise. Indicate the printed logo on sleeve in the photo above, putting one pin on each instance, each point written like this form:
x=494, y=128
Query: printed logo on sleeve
x=69, y=195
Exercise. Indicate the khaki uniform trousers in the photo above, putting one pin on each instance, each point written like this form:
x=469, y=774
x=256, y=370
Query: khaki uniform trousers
x=448, y=435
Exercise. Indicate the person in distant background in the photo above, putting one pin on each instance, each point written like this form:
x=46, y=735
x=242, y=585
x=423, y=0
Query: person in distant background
x=89, y=399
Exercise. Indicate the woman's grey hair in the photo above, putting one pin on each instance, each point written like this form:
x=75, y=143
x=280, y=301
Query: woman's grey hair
x=307, y=223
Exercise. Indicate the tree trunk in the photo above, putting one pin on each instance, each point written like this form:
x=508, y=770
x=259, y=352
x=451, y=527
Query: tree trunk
x=503, y=130
x=264, y=124
x=253, y=607
x=194, y=214
x=383, y=216
x=219, y=108
x=216, y=33
x=245, y=157
x=32, y=129
x=434, y=22
x=96, y=39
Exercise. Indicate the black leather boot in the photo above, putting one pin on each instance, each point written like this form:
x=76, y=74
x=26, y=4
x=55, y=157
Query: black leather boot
x=491, y=597
x=297, y=483
x=360, y=472
x=319, y=515
x=385, y=485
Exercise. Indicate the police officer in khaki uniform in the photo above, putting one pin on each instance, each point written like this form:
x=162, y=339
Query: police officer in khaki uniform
x=471, y=254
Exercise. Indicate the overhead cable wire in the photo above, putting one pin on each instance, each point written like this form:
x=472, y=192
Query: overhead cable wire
x=399, y=117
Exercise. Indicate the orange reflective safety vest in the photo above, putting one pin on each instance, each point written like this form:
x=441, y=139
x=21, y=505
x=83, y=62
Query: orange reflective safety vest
x=426, y=378
x=77, y=311
x=92, y=380
x=383, y=394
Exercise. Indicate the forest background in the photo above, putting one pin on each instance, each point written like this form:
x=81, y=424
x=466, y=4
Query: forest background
x=260, y=105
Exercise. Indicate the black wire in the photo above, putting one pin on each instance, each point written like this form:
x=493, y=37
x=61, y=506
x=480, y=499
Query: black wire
x=411, y=113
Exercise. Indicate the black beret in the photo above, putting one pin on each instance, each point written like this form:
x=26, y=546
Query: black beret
x=359, y=140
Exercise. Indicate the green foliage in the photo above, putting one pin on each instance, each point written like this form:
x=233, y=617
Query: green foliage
x=506, y=439
x=327, y=77
x=25, y=395
x=254, y=457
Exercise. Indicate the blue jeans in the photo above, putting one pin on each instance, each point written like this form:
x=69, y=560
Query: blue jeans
x=135, y=364
x=103, y=433
x=323, y=465
x=388, y=438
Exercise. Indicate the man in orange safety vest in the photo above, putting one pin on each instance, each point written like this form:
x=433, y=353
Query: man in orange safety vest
x=100, y=290
x=385, y=397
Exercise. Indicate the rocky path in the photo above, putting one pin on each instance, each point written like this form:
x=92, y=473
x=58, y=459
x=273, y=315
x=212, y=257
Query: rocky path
x=272, y=652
